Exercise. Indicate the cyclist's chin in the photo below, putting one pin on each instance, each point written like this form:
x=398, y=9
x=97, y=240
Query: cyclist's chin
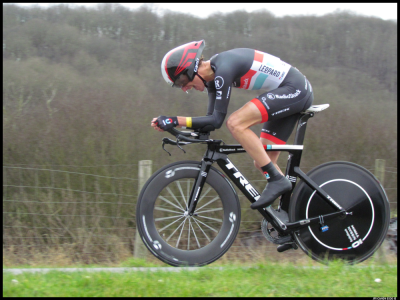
x=200, y=89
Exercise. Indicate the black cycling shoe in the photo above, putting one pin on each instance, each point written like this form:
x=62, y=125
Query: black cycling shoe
x=273, y=190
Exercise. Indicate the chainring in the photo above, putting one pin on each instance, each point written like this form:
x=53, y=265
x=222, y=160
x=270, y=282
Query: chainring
x=272, y=235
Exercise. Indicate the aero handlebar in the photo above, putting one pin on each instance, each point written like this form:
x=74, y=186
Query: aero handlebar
x=186, y=137
x=190, y=137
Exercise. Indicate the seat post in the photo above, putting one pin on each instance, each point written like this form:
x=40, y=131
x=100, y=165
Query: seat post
x=301, y=128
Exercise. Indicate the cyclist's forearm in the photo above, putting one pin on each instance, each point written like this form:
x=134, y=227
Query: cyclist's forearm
x=214, y=121
x=183, y=121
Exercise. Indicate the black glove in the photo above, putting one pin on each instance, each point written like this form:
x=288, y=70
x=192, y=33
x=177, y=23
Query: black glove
x=166, y=123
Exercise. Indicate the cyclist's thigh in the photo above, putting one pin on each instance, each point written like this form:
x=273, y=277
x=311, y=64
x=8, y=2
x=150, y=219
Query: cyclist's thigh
x=292, y=96
x=278, y=131
x=280, y=108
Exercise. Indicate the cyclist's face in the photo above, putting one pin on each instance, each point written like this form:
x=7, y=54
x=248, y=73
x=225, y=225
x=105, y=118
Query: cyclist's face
x=197, y=84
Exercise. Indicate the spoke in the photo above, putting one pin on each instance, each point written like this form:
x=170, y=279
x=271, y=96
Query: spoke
x=211, y=201
x=213, y=209
x=202, y=230
x=170, y=224
x=189, y=236
x=219, y=220
x=173, y=196
x=165, y=218
x=182, y=224
x=179, y=238
x=183, y=196
x=194, y=233
x=204, y=194
x=207, y=226
x=166, y=200
x=164, y=209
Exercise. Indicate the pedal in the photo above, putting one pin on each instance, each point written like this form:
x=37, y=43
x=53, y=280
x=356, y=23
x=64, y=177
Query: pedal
x=284, y=247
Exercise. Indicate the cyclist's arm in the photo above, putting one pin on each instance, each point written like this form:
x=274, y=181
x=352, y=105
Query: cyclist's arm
x=211, y=99
x=219, y=92
x=216, y=112
x=206, y=123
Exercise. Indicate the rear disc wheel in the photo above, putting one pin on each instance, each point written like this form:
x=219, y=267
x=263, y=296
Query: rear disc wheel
x=353, y=238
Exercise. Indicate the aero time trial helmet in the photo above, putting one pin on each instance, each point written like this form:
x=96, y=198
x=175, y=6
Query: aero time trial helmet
x=179, y=65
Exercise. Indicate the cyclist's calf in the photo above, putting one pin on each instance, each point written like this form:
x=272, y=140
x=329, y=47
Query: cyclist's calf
x=273, y=155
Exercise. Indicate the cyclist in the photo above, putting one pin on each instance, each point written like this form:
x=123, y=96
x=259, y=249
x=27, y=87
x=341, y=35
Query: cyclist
x=287, y=93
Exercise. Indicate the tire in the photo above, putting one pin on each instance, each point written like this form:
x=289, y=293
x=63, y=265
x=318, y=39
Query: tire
x=176, y=238
x=353, y=238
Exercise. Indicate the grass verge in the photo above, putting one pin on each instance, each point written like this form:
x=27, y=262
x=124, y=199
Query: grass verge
x=272, y=280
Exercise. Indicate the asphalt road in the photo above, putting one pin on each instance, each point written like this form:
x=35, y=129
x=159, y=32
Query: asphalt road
x=137, y=269
x=116, y=270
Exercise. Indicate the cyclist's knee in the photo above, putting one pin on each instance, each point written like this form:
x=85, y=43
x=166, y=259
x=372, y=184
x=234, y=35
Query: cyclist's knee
x=233, y=123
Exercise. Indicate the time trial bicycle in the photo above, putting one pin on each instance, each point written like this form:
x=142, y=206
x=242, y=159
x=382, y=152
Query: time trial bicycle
x=188, y=212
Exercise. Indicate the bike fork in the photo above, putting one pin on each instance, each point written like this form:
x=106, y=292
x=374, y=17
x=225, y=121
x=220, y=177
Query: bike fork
x=198, y=186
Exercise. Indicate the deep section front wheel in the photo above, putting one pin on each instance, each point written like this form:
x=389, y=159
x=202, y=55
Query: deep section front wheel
x=174, y=236
x=353, y=238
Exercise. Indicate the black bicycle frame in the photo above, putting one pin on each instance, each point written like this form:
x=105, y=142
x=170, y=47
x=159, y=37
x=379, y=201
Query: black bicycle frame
x=219, y=153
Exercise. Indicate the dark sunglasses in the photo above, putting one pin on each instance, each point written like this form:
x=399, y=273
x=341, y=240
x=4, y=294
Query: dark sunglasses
x=181, y=81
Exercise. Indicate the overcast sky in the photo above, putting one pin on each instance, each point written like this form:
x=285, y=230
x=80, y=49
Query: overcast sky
x=386, y=11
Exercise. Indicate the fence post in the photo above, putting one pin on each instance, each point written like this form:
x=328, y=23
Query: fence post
x=380, y=175
x=144, y=173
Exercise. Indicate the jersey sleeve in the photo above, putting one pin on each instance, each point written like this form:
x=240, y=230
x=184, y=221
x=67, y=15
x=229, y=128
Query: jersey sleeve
x=219, y=93
x=211, y=98
x=223, y=83
x=214, y=119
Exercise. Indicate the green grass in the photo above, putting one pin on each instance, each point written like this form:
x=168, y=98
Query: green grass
x=272, y=280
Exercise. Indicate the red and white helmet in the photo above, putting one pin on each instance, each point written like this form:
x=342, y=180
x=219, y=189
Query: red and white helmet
x=182, y=60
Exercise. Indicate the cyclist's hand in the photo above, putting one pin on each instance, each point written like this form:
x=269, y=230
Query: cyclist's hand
x=165, y=123
x=154, y=124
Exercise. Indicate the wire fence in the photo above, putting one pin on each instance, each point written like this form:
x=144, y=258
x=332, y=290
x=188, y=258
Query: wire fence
x=86, y=214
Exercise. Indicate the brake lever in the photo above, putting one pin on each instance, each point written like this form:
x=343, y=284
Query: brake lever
x=199, y=138
x=177, y=143
x=163, y=143
x=171, y=142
